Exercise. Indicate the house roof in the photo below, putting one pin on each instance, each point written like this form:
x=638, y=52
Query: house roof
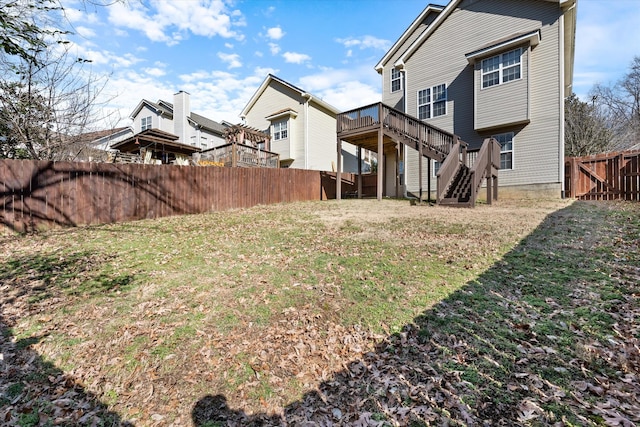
x=282, y=113
x=271, y=78
x=568, y=6
x=533, y=37
x=431, y=8
x=158, y=139
x=166, y=108
x=102, y=134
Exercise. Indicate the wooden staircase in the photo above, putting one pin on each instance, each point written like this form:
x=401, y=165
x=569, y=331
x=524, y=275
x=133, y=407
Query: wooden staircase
x=461, y=173
x=460, y=176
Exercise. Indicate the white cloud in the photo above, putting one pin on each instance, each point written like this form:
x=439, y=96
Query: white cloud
x=85, y=32
x=295, y=58
x=344, y=88
x=366, y=42
x=155, y=72
x=232, y=59
x=274, y=48
x=275, y=33
x=168, y=22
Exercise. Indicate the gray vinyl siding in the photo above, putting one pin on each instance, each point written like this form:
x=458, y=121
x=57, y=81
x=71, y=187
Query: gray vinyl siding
x=503, y=104
x=441, y=59
x=395, y=99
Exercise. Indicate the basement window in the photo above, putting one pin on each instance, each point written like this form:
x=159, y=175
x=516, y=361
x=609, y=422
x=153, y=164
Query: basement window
x=506, y=150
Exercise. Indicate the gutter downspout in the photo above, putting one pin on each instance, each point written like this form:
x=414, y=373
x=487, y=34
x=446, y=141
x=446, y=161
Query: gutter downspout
x=308, y=97
x=561, y=130
x=403, y=73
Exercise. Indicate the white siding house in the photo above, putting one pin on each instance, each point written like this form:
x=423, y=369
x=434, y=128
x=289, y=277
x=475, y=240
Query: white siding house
x=177, y=118
x=483, y=68
x=301, y=125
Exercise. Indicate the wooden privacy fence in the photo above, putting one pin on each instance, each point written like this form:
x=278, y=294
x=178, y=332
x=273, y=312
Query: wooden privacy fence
x=40, y=194
x=610, y=176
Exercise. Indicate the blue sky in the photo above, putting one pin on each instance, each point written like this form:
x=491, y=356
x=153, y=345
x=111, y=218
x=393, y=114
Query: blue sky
x=221, y=50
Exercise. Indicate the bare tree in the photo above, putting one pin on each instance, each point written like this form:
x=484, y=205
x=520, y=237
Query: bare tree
x=46, y=103
x=586, y=128
x=621, y=101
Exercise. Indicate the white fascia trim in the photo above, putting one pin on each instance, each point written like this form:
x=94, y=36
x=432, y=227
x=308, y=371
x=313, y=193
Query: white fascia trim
x=288, y=113
x=533, y=38
x=430, y=8
x=255, y=97
x=435, y=24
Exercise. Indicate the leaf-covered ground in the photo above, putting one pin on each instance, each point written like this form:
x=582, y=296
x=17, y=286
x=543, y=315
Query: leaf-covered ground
x=354, y=313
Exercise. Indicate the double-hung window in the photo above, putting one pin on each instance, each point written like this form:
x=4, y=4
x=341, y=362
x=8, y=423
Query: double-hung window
x=506, y=149
x=280, y=130
x=396, y=80
x=145, y=123
x=432, y=102
x=502, y=68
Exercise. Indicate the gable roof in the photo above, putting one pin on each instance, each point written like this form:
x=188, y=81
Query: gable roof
x=431, y=8
x=568, y=7
x=166, y=108
x=96, y=136
x=156, y=138
x=271, y=78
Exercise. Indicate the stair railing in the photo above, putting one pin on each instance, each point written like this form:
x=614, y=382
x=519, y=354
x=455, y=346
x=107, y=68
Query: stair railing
x=488, y=159
x=449, y=168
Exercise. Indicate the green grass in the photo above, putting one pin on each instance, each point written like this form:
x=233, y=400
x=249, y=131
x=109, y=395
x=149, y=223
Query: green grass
x=219, y=302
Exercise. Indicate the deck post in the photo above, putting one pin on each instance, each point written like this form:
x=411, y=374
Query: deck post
x=359, y=151
x=234, y=155
x=397, y=170
x=419, y=162
x=339, y=171
x=380, y=156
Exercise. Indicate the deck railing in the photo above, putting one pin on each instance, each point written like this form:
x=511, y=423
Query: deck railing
x=485, y=159
x=397, y=122
x=449, y=168
x=241, y=155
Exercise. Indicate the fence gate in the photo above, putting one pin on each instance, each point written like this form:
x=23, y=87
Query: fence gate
x=610, y=176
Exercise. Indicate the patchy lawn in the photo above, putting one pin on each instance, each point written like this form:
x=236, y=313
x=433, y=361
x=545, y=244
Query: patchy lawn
x=353, y=313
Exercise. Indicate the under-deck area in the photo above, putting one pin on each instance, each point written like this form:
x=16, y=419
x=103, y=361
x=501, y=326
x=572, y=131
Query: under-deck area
x=386, y=131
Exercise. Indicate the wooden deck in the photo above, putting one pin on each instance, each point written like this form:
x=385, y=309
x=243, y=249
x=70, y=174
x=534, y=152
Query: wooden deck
x=242, y=155
x=383, y=129
x=362, y=126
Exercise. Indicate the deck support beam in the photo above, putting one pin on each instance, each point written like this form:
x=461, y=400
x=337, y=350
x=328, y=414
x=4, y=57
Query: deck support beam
x=381, y=168
x=359, y=151
x=339, y=171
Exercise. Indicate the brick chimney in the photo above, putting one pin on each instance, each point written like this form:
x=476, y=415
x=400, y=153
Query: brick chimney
x=181, y=113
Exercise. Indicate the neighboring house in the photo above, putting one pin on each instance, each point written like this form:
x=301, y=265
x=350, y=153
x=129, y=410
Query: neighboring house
x=302, y=126
x=178, y=119
x=473, y=70
x=171, y=132
x=488, y=68
x=95, y=146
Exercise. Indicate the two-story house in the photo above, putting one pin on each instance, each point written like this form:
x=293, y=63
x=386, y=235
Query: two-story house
x=302, y=126
x=171, y=130
x=479, y=69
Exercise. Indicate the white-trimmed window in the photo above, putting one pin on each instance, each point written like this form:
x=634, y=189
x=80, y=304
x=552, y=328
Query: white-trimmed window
x=396, y=80
x=436, y=167
x=506, y=149
x=145, y=123
x=280, y=130
x=502, y=68
x=432, y=102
